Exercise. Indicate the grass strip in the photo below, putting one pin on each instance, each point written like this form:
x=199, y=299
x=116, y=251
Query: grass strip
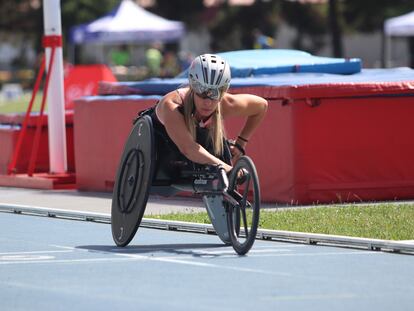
x=382, y=221
x=20, y=105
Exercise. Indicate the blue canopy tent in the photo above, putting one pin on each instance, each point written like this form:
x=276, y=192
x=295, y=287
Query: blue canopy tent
x=127, y=23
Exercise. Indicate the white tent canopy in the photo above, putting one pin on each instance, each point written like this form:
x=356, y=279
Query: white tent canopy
x=400, y=26
x=128, y=23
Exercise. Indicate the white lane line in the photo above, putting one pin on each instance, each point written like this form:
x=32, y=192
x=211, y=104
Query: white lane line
x=198, y=252
x=209, y=265
x=314, y=297
x=189, y=259
x=253, y=251
x=86, y=260
x=29, y=256
x=258, y=244
x=125, y=257
x=65, y=247
x=25, y=258
x=362, y=252
x=180, y=259
x=203, y=264
x=218, y=251
x=34, y=252
x=269, y=252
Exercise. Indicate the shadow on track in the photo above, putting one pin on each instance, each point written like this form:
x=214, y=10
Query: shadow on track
x=176, y=249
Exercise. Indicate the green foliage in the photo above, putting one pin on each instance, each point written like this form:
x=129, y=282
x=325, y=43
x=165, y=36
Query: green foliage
x=369, y=15
x=230, y=26
x=233, y=25
x=311, y=22
x=85, y=11
x=189, y=12
x=20, y=15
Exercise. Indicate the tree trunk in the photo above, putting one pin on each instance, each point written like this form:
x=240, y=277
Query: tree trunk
x=411, y=51
x=335, y=28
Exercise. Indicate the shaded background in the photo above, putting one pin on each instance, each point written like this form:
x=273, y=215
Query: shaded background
x=347, y=28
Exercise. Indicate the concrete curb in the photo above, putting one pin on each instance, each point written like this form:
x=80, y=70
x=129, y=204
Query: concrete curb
x=405, y=247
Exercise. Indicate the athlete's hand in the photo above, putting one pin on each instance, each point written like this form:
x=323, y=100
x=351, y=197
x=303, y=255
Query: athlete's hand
x=235, y=153
x=227, y=167
x=236, y=149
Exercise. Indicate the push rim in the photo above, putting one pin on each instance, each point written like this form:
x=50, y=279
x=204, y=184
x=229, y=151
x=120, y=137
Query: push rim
x=243, y=217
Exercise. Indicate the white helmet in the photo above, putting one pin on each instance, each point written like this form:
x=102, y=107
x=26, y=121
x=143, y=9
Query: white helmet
x=209, y=75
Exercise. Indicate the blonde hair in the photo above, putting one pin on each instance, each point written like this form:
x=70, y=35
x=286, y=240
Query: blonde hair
x=216, y=132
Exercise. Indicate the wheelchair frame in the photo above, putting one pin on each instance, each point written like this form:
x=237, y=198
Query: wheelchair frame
x=232, y=202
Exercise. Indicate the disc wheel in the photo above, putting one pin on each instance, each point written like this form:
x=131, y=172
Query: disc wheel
x=243, y=216
x=133, y=182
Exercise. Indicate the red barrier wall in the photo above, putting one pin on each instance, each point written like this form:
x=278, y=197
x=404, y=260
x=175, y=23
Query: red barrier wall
x=339, y=148
x=101, y=129
x=9, y=133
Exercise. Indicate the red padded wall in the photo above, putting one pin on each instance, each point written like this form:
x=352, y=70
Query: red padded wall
x=101, y=129
x=9, y=135
x=320, y=148
x=354, y=149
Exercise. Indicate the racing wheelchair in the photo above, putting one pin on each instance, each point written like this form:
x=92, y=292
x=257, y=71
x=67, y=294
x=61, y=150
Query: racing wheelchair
x=146, y=167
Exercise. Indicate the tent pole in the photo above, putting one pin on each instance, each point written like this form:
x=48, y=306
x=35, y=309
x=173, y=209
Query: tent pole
x=387, y=51
x=71, y=53
x=102, y=54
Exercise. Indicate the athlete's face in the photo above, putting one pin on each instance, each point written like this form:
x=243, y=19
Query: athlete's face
x=204, y=105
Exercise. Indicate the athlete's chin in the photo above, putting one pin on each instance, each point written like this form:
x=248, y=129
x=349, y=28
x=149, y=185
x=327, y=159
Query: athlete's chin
x=205, y=112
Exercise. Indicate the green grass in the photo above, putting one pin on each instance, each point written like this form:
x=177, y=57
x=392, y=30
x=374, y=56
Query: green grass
x=382, y=221
x=20, y=105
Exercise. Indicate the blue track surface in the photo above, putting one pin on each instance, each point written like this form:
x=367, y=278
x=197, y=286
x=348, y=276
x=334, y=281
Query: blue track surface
x=55, y=264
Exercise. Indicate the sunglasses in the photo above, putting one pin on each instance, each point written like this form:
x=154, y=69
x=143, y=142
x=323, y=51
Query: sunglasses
x=213, y=94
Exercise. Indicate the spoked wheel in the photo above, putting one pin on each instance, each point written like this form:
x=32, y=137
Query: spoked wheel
x=243, y=212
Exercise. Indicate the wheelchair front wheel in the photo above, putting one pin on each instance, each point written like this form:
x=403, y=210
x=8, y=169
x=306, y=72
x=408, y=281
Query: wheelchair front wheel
x=243, y=211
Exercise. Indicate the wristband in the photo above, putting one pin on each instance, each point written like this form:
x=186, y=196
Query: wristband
x=243, y=139
x=238, y=146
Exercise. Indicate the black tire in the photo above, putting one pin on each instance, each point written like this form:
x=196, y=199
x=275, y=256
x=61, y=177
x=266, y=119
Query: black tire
x=133, y=182
x=243, y=218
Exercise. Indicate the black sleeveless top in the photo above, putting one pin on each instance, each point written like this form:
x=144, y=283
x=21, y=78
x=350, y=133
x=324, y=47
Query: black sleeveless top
x=169, y=160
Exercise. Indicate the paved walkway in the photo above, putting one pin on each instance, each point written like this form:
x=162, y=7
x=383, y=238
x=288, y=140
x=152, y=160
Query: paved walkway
x=95, y=202
x=100, y=202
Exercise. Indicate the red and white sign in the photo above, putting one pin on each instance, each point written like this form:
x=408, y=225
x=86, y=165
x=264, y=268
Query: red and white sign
x=83, y=80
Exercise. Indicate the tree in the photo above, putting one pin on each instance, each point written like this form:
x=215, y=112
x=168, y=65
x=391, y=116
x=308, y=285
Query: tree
x=370, y=15
x=335, y=23
x=189, y=12
x=84, y=11
x=310, y=21
x=20, y=15
x=233, y=25
x=26, y=16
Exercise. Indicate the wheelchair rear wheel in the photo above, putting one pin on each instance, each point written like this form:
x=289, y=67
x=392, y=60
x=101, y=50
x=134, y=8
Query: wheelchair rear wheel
x=243, y=216
x=133, y=182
